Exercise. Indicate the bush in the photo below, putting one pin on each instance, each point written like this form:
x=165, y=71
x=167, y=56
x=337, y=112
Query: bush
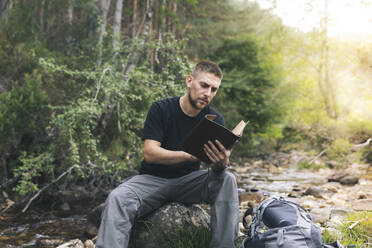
x=341, y=151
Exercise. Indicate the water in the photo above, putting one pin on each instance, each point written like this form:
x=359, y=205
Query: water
x=42, y=227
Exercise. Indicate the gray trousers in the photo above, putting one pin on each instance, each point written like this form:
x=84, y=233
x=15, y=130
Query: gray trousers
x=142, y=194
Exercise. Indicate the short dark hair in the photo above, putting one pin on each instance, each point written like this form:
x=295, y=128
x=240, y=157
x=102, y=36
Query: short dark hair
x=207, y=66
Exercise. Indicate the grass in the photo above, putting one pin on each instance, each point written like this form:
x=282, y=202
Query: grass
x=196, y=238
x=355, y=230
x=310, y=166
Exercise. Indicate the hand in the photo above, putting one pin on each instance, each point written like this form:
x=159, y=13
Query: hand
x=191, y=158
x=220, y=157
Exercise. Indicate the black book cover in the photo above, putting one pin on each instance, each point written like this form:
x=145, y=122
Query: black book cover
x=207, y=130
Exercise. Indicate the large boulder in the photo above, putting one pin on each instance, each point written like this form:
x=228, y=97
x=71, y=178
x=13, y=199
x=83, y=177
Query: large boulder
x=163, y=224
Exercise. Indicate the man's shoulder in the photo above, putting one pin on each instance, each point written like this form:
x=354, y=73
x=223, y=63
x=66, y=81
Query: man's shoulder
x=212, y=111
x=219, y=118
x=166, y=102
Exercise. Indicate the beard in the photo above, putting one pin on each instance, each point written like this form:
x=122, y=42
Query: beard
x=194, y=102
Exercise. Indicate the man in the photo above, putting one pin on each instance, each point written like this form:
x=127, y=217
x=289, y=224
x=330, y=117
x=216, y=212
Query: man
x=169, y=175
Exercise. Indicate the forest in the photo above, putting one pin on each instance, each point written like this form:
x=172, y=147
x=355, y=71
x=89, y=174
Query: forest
x=77, y=78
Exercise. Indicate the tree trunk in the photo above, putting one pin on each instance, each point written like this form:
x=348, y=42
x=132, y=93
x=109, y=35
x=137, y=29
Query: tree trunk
x=324, y=81
x=104, y=6
x=4, y=9
x=117, y=24
x=70, y=12
x=134, y=58
x=41, y=19
x=174, y=23
x=134, y=20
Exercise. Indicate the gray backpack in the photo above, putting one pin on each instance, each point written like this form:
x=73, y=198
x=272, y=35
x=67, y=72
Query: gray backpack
x=278, y=223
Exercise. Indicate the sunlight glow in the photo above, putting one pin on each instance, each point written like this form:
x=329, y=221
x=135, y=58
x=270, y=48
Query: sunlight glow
x=346, y=17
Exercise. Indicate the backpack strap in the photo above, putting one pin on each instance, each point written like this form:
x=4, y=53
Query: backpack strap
x=258, y=214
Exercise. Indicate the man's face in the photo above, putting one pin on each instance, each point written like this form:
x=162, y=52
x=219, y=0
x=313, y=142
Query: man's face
x=202, y=88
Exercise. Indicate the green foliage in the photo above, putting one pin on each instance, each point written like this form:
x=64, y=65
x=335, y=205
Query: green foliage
x=310, y=166
x=24, y=113
x=248, y=88
x=341, y=151
x=31, y=169
x=358, y=235
x=64, y=108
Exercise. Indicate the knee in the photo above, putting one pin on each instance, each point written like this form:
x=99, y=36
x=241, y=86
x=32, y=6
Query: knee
x=229, y=178
x=120, y=195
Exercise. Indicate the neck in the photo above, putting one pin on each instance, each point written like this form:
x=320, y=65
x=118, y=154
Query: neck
x=187, y=107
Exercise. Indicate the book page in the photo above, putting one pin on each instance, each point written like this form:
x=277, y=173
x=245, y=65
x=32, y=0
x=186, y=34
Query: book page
x=238, y=130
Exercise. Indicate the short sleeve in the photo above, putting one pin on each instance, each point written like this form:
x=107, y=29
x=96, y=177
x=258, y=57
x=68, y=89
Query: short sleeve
x=154, y=124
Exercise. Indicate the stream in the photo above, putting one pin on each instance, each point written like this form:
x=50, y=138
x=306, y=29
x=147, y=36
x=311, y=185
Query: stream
x=276, y=175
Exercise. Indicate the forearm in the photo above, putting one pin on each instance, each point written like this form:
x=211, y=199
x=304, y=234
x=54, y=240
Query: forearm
x=159, y=155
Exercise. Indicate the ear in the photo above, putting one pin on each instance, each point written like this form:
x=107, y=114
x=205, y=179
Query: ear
x=188, y=80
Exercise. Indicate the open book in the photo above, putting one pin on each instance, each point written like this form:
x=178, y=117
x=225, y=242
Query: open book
x=207, y=129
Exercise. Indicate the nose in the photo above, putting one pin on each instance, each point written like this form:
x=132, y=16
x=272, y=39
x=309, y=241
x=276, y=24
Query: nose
x=208, y=92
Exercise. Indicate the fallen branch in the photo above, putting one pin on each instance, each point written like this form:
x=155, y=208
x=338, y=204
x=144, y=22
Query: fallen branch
x=317, y=156
x=46, y=186
x=356, y=223
x=362, y=145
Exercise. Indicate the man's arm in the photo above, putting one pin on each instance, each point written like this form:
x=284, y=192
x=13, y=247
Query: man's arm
x=154, y=153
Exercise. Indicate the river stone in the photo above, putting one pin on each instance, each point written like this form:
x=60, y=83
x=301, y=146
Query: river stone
x=315, y=191
x=89, y=244
x=337, y=216
x=363, y=205
x=344, y=178
x=251, y=197
x=349, y=180
x=165, y=222
x=337, y=177
x=75, y=243
x=320, y=215
x=332, y=164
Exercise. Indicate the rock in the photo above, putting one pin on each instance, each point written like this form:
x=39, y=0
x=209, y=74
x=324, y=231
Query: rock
x=75, y=243
x=48, y=242
x=320, y=215
x=166, y=221
x=94, y=216
x=89, y=244
x=349, y=180
x=65, y=207
x=337, y=216
x=273, y=169
x=333, y=164
x=250, y=197
x=344, y=178
x=362, y=205
x=91, y=231
x=315, y=191
x=337, y=177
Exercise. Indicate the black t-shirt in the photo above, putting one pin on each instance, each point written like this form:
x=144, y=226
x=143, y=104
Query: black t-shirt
x=168, y=124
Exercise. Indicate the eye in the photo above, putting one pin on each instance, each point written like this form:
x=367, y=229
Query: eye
x=214, y=89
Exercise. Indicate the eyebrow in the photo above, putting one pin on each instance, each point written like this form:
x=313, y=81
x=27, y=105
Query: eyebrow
x=207, y=84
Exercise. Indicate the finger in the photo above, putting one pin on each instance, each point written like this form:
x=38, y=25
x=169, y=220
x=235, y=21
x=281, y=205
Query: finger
x=209, y=156
x=213, y=147
x=218, y=156
x=220, y=146
x=210, y=152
